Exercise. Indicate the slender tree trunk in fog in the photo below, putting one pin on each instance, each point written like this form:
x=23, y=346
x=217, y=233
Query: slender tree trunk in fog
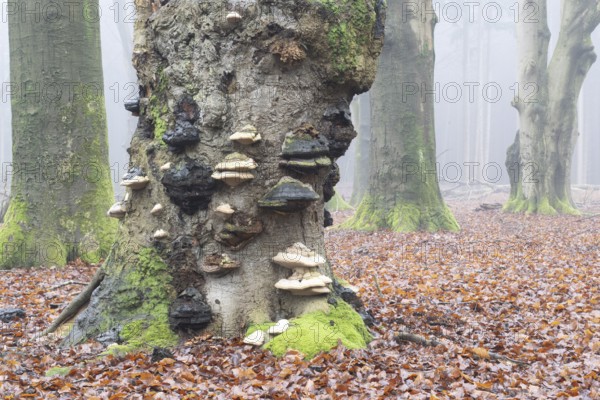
x=539, y=161
x=403, y=192
x=361, y=164
x=61, y=184
x=208, y=212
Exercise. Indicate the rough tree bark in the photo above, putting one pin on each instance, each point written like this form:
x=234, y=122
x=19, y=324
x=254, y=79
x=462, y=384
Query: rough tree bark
x=289, y=69
x=539, y=161
x=403, y=192
x=61, y=183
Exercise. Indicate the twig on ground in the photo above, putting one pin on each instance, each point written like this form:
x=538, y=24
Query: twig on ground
x=411, y=337
x=67, y=283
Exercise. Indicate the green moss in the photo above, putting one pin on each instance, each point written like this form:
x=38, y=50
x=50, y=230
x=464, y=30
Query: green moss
x=337, y=203
x=351, y=33
x=374, y=214
x=157, y=107
x=520, y=204
x=259, y=327
x=58, y=371
x=318, y=331
x=64, y=216
x=142, y=300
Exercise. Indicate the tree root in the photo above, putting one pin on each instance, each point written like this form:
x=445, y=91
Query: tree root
x=77, y=303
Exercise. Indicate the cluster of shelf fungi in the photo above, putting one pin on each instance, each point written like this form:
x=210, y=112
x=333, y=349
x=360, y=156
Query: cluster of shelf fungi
x=191, y=186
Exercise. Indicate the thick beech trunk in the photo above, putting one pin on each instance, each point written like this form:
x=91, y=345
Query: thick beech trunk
x=60, y=171
x=286, y=68
x=403, y=192
x=539, y=162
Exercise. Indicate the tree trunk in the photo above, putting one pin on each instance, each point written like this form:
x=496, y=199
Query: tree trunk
x=61, y=184
x=361, y=166
x=289, y=69
x=403, y=192
x=540, y=159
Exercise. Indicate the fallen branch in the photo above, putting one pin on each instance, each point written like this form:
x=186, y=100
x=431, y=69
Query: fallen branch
x=67, y=283
x=410, y=337
x=81, y=300
x=499, y=357
x=377, y=286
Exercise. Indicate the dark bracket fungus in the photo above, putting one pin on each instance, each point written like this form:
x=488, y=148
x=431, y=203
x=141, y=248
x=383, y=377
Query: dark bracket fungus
x=184, y=134
x=239, y=231
x=308, y=165
x=305, y=143
x=189, y=310
x=337, y=128
x=190, y=187
x=289, y=195
x=135, y=179
x=133, y=106
x=338, y=115
x=331, y=180
x=327, y=218
x=219, y=263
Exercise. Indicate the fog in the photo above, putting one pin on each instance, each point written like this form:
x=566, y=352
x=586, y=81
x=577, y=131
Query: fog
x=475, y=75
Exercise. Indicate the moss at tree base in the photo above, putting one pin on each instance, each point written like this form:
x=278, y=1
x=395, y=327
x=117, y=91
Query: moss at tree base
x=544, y=206
x=319, y=331
x=337, y=203
x=135, y=299
x=372, y=214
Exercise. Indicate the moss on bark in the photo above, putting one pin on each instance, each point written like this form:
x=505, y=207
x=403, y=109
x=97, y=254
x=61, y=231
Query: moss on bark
x=319, y=331
x=374, y=213
x=61, y=185
x=337, y=203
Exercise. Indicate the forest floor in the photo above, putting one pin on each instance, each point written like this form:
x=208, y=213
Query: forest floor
x=513, y=300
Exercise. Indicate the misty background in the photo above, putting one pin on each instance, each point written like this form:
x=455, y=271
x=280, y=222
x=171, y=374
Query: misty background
x=475, y=75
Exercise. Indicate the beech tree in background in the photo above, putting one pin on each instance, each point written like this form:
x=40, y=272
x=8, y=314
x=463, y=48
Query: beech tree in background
x=61, y=185
x=539, y=161
x=403, y=192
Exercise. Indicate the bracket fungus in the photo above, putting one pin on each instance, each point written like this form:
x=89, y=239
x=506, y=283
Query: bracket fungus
x=235, y=169
x=135, y=179
x=239, y=231
x=157, y=209
x=117, y=210
x=247, y=135
x=289, y=195
x=184, y=134
x=160, y=234
x=133, y=106
x=281, y=326
x=304, y=142
x=225, y=209
x=190, y=187
x=303, y=149
x=233, y=17
x=215, y=263
x=306, y=279
x=166, y=167
x=256, y=338
x=189, y=310
x=299, y=256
